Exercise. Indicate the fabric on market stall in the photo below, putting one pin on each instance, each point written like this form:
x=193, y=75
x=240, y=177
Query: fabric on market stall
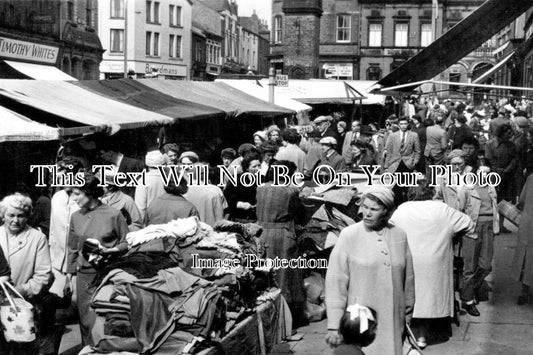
x=180, y=228
x=157, y=306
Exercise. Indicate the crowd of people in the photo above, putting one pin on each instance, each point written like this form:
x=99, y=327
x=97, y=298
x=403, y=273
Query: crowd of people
x=398, y=260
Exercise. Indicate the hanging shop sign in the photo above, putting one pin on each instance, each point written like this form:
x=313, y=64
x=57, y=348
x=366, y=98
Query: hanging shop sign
x=12, y=48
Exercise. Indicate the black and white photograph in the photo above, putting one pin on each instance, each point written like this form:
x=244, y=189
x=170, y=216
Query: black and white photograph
x=338, y=177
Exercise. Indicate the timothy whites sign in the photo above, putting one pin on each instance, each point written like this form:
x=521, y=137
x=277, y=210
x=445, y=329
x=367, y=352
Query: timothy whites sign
x=12, y=48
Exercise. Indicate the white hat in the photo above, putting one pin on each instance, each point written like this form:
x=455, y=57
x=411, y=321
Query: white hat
x=154, y=158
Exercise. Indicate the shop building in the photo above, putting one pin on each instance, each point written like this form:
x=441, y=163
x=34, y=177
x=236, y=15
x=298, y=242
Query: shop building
x=207, y=43
x=42, y=39
x=154, y=35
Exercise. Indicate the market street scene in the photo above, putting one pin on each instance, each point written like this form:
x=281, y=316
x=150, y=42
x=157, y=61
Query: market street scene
x=266, y=177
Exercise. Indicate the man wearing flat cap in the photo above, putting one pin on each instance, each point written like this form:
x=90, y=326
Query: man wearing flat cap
x=323, y=124
x=330, y=156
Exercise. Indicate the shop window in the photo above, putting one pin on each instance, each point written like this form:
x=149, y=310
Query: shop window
x=373, y=72
x=426, y=34
x=117, y=8
x=343, y=28
x=401, y=34
x=375, y=34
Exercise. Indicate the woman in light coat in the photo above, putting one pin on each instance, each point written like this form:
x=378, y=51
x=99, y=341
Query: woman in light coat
x=26, y=250
x=523, y=258
x=430, y=227
x=371, y=264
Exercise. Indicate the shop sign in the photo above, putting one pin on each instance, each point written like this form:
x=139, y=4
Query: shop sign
x=42, y=18
x=12, y=48
x=111, y=67
x=161, y=69
x=282, y=80
x=338, y=70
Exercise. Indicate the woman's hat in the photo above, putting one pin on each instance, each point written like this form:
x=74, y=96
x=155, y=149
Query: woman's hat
x=154, y=158
x=189, y=154
x=261, y=134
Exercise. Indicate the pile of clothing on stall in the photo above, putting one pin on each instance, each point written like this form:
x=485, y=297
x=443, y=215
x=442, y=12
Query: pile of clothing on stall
x=155, y=298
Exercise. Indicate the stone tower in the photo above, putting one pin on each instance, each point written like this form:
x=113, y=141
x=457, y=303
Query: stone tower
x=301, y=37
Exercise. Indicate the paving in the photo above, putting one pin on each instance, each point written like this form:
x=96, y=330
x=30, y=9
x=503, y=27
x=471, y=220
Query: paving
x=503, y=327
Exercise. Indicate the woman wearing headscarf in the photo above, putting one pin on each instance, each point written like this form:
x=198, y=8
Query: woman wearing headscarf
x=371, y=264
x=96, y=221
x=430, y=227
x=278, y=208
x=26, y=251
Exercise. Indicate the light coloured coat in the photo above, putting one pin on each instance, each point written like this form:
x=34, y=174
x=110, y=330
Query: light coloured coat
x=29, y=260
x=430, y=227
x=523, y=259
x=374, y=271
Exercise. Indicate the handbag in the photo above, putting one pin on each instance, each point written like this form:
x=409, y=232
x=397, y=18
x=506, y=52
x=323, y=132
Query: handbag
x=17, y=317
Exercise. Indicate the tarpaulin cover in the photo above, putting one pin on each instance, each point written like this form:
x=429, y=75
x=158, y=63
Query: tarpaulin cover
x=40, y=72
x=16, y=127
x=135, y=93
x=251, y=87
x=77, y=104
x=224, y=97
x=312, y=91
x=459, y=41
x=321, y=91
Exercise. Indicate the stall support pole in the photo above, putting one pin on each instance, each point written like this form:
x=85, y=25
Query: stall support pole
x=125, y=46
x=271, y=84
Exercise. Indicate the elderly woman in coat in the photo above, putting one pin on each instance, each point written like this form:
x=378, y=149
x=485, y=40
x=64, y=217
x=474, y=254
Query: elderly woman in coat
x=430, y=227
x=26, y=251
x=523, y=258
x=371, y=264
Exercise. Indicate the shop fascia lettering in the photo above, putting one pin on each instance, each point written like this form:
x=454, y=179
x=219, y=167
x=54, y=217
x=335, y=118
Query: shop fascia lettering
x=162, y=69
x=11, y=48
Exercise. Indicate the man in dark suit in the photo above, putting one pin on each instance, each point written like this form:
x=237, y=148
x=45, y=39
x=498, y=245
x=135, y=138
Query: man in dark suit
x=110, y=154
x=403, y=153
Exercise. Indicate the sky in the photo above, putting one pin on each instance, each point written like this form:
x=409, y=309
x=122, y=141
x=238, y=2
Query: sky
x=262, y=8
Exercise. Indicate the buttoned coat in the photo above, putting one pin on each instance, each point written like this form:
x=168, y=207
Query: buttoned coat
x=375, y=271
x=31, y=269
x=409, y=153
x=523, y=259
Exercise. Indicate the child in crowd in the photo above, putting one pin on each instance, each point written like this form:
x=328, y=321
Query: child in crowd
x=358, y=329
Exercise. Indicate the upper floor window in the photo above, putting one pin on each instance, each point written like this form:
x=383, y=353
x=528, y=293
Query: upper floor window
x=401, y=34
x=117, y=41
x=152, y=43
x=117, y=8
x=88, y=14
x=375, y=34
x=152, y=12
x=277, y=29
x=70, y=11
x=426, y=35
x=343, y=28
x=174, y=15
x=174, y=49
